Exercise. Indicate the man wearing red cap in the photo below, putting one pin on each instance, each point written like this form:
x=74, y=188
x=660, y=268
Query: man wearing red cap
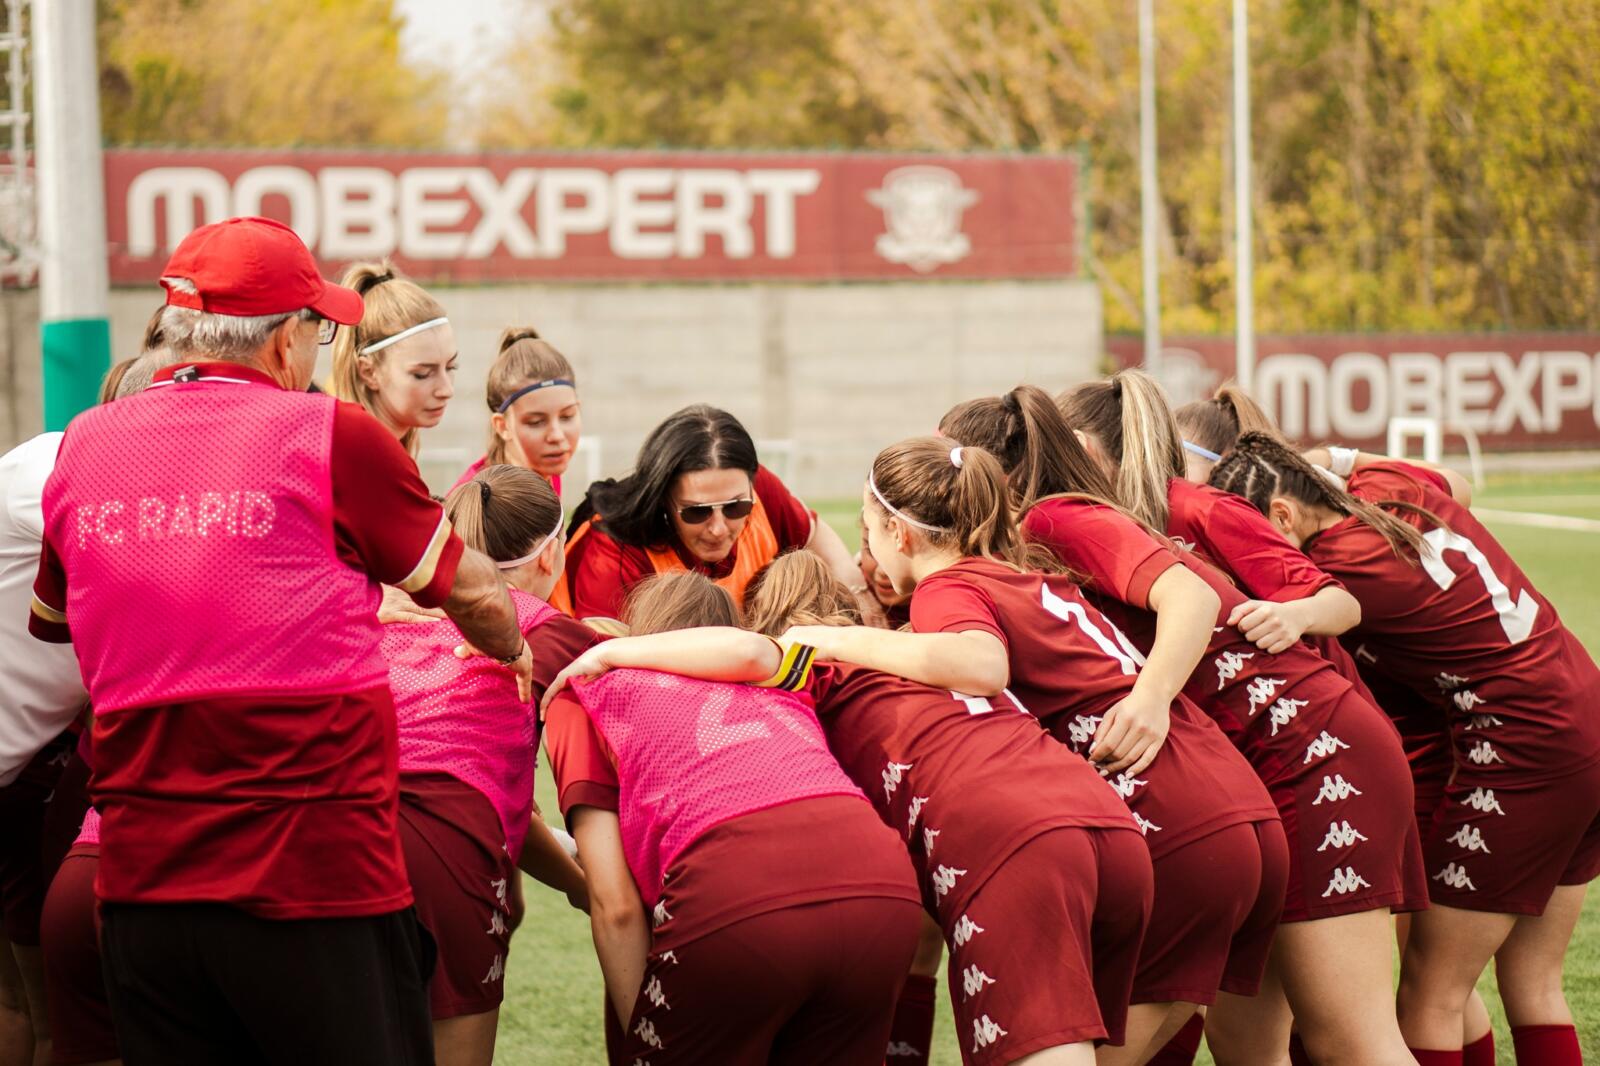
x=213, y=546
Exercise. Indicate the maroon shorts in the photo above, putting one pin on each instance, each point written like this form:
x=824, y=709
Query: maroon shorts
x=75, y=990
x=1045, y=950
x=807, y=984
x=1216, y=908
x=461, y=876
x=1347, y=813
x=23, y=806
x=1498, y=846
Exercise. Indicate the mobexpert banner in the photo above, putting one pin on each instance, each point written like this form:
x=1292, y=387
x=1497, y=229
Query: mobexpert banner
x=613, y=215
x=1515, y=390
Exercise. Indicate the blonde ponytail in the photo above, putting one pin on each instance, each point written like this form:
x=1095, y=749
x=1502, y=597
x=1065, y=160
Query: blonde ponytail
x=1128, y=415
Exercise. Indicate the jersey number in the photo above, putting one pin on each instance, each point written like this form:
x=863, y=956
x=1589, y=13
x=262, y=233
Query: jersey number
x=1116, y=645
x=1515, y=618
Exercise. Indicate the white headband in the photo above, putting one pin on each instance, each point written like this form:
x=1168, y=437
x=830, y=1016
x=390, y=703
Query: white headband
x=892, y=509
x=378, y=346
x=512, y=564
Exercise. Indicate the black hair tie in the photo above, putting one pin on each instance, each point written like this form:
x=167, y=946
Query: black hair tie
x=376, y=280
x=484, y=492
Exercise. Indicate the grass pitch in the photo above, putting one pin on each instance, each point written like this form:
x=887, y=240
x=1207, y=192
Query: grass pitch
x=551, y=1016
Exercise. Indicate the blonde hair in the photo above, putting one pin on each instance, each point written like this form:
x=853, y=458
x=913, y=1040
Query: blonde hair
x=798, y=589
x=503, y=511
x=1129, y=416
x=393, y=302
x=522, y=359
x=685, y=600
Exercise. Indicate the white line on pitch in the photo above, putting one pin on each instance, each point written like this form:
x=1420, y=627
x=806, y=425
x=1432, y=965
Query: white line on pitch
x=1538, y=521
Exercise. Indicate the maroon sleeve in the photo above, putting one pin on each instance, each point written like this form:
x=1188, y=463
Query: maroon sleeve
x=583, y=764
x=945, y=606
x=602, y=573
x=47, y=620
x=1112, y=550
x=792, y=522
x=1395, y=479
x=554, y=643
x=385, y=523
x=1241, y=541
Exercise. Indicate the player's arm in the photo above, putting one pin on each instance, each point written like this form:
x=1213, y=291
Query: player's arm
x=546, y=861
x=973, y=661
x=712, y=653
x=617, y=917
x=1346, y=461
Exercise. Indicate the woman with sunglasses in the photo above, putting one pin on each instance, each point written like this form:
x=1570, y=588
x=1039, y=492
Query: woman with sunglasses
x=399, y=361
x=698, y=500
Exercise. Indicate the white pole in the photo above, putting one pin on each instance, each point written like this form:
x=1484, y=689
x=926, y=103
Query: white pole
x=1244, y=268
x=73, y=288
x=1149, y=192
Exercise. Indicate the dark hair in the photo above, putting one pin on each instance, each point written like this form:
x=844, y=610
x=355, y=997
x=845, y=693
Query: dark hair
x=503, y=511
x=968, y=505
x=1129, y=416
x=633, y=509
x=684, y=600
x=523, y=358
x=1260, y=467
x=1215, y=424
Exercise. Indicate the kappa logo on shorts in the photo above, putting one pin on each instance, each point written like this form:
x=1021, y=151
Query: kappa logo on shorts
x=646, y=1031
x=1344, y=882
x=1455, y=876
x=900, y=1049
x=1081, y=729
x=1466, y=700
x=497, y=925
x=1482, y=799
x=1261, y=690
x=1363, y=655
x=1125, y=783
x=499, y=886
x=973, y=980
x=964, y=931
x=917, y=803
x=1483, y=721
x=1228, y=665
x=660, y=915
x=893, y=774
x=1341, y=835
x=984, y=1033
x=1468, y=838
x=1145, y=825
x=653, y=992
x=497, y=970
x=1482, y=753
x=670, y=956
x=1322, y=747
x=928, y=836
x=1284, y=710
x=944, y=879
x=1446, y=682
x=1333, y=789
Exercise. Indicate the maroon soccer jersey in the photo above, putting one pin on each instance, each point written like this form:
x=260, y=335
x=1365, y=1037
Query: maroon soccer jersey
x=1238, y=540
x=964, y=780
x=1069, y=665
x=1465, y=628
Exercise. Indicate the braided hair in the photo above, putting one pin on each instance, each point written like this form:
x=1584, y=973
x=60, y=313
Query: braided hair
x=1261, y=467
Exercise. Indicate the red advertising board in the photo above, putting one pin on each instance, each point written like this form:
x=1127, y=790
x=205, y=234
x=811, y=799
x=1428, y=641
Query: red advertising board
x=484, y=217
x=1514, y=390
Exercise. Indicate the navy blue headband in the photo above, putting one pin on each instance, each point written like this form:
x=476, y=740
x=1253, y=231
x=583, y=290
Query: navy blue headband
x=535, y=387
x=1204, y=453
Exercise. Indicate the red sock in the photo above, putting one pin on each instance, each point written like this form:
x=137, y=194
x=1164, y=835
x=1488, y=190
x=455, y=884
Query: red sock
x=1546, y=1045
x=911, y=1035
x=1436, y=1058
x=1180, y=1050
x=1297, y=1051
x=1480, y=1052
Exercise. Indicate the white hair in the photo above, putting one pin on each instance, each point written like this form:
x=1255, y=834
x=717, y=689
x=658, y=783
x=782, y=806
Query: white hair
x=189, y=333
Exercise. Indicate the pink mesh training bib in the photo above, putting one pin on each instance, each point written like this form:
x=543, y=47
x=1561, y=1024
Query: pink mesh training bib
x=195, y=522
x=89, y=832
x=692, y=754
x=462, y=717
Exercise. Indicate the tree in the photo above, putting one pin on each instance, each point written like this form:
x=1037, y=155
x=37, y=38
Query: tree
x=263, y=72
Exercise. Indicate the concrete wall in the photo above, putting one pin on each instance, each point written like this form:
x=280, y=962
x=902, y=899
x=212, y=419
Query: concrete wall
x=839, y=369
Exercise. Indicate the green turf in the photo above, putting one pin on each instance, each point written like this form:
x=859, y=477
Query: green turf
x=553, y=990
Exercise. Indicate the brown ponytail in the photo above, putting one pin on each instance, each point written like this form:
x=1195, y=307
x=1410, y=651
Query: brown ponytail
x=393, y=302
x=1129, y=416
x=798, y=589
x=503, y=512
x=968, y=505
x=685, y=600
x=522, y=359
x=1215, y=424
x=1261, y=467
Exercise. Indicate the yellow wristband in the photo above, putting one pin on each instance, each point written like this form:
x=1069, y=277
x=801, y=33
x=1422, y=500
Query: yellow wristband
x=794, y=667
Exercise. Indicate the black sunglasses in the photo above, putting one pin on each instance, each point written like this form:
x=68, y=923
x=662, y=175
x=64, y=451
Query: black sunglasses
x=697, y=514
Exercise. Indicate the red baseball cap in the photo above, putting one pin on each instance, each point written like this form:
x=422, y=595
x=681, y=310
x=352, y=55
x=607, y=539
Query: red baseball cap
x=254, y=266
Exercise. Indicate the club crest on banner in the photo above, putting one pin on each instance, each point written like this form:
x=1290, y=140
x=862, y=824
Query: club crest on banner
x=922, y=208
